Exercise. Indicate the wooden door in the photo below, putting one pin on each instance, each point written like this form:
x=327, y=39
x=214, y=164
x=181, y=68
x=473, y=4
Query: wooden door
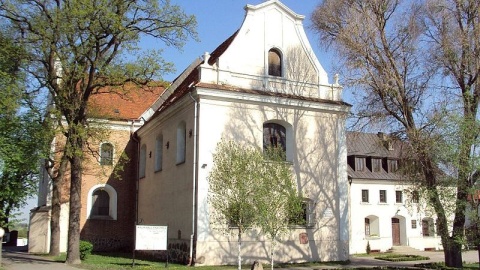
x=396, y=231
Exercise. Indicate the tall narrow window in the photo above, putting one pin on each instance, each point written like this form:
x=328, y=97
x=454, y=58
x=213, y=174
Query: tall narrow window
x=143, y=161
x=181, y=140
x=425, y=227
x=274, y=135
x=100, y=203
x=383, y=196
x=274, y=63
x=159, y=153
x=365, y=195
x=398, y=196
x=106, y=154
x=367, y=227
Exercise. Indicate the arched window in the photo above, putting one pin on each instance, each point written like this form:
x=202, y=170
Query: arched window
x=102, y=202
x=274, y=136
x=143, y=161
x=106, y=154
x=159, y=153
x=181, y=140
x=274, y=63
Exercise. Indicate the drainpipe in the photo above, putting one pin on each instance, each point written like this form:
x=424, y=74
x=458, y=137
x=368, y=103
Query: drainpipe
x=133, y=135
x=195, y=178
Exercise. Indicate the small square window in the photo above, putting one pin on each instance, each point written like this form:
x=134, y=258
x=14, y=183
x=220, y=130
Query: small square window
x=383, y=196
x=414, y=224
x=365, y=195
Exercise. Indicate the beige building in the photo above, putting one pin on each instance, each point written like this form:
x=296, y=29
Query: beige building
x=263, y=85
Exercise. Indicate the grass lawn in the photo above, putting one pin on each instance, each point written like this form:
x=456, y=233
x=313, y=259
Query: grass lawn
x=401, y=257
x=121, y=261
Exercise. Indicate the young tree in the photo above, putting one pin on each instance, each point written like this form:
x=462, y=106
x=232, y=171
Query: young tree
x=77, y=49
x=250, y=188
x=234, y=183
x=278, y=202
x=402, y=54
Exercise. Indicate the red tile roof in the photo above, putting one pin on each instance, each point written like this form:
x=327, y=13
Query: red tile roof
x=123, y=103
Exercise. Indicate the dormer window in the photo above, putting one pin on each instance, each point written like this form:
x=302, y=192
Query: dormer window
x=392, y=165
x=359, y=164
x=274, y=63
x=376, y=164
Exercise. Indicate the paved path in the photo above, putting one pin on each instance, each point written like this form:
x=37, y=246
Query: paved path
x=19, y=259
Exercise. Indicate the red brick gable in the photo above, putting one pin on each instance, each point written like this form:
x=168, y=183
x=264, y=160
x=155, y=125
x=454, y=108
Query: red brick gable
x=125, y=103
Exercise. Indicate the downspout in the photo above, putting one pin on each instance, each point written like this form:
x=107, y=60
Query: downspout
x=195, y=178
x=135, y=139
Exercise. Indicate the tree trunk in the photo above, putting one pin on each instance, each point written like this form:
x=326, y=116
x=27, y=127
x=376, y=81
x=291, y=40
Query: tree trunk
x=239, y=249
x=55, y=221
x=73, y=249
x=453, y=254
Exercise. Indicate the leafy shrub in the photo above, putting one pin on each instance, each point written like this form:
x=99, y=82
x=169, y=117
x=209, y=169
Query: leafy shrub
x=85, y=249
x=368, y=248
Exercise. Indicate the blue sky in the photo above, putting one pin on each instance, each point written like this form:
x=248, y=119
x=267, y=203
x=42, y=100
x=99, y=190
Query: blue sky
x=216, y=21
x=219, y=19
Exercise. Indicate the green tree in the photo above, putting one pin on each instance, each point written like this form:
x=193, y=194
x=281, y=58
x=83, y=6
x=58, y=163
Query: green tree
x=234, y=183
x=77, y=49
x=250, y=188
x=278, y=203
x=21, y=139
x=415, y=62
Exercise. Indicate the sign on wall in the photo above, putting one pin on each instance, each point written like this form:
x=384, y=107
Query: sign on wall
x=150, y=237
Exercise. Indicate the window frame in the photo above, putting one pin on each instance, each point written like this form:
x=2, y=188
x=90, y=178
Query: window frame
x=398, y=196
x=376, y=164
x=382, y=196
x=360, y=164
x=307, y=216
x=365, y=196
x=392, y=165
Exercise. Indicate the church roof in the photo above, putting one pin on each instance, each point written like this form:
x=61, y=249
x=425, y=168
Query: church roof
x=125, y=103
